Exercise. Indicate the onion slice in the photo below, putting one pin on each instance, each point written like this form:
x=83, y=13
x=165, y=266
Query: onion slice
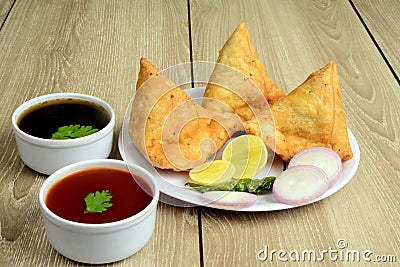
x=229, y=199
x=321, y=157
x=299, y=185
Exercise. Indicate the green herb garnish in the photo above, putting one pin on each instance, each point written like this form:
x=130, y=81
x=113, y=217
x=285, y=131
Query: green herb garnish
x=254, y=186
x=98, y=201
x=73, y=131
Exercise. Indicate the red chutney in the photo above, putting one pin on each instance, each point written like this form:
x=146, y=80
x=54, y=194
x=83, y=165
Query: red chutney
x=66, y=197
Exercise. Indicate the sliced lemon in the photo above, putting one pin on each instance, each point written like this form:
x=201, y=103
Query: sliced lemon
x=212, y=173
x=248, y=154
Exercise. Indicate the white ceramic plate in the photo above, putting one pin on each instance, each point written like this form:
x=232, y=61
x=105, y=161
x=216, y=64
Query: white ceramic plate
x=172, y=183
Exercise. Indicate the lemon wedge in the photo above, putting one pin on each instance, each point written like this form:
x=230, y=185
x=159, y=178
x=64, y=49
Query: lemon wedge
x=248, y=154
x=212, y=173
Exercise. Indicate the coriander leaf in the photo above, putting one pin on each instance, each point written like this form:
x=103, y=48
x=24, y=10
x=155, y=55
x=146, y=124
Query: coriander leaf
x=73, y=131
x=98, y=201
x=254, y=186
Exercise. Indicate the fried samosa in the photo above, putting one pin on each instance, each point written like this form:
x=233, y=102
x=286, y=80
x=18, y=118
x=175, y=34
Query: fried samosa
x=312, y=115
x=170, y=129
x=238, y=54
x=340, y=137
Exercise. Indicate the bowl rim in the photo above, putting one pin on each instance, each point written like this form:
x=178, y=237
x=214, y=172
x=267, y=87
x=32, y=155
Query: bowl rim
x=93, y=163
x=68, y=142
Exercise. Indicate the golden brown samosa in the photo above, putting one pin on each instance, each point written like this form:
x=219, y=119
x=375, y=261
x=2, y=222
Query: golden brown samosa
x=312, y=115
x=340, y=137
x=170, y=129
x=238, y=53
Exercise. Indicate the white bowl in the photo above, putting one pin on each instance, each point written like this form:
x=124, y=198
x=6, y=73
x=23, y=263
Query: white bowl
x=47, y=155
x=105, y=242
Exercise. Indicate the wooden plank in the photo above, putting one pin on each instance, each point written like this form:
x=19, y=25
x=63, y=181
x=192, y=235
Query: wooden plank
x=94, y=48
x=381, y=18
x=5, y=7
x=293, y=39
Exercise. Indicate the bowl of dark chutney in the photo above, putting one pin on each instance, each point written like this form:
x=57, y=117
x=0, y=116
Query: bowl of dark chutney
x=55, y=130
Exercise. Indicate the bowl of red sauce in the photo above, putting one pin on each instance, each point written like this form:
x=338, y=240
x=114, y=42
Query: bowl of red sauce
x=99, y=211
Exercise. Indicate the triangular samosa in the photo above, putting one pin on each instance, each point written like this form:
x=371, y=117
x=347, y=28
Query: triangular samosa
x=240, y=85
x=238, y=52
x=170, y=129
x=340, y=137
x=312, y=115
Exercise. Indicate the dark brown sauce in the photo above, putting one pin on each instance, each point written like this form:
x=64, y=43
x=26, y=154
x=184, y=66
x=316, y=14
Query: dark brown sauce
x=66, y=197
x=42, y=120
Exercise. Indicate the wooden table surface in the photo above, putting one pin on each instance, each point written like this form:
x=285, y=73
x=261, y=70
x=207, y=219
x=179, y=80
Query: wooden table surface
x=93, y=47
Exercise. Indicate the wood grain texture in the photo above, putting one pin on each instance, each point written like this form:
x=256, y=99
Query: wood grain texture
x=382, y=20
x=90, y=47
x=5, y=7
x=294, y=38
